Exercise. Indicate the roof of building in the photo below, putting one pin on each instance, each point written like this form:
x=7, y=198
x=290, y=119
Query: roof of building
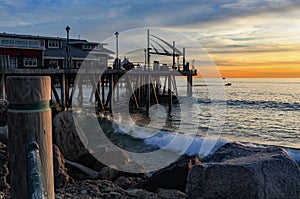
x=23, y=36
x=71, y=40
x=60, y=53
x=84, y=42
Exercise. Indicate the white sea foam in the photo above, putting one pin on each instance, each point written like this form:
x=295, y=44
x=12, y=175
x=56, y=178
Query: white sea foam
x=179, y=146
x=185, y=143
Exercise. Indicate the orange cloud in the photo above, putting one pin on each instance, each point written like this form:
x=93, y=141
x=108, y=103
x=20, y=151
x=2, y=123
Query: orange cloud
x=259, y=64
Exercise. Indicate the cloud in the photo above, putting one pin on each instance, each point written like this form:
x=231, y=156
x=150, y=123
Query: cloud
x=220, y=26
x=132, y=14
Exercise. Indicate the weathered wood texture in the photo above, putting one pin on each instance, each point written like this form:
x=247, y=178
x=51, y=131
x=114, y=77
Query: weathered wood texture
x=29, y=125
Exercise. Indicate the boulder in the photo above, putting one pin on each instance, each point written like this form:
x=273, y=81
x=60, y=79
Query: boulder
x=238, y=171
x=113, y=157
x=61, y=177
x=236, y=150
x=172, y=177
x=69, y=138
x=74, y=143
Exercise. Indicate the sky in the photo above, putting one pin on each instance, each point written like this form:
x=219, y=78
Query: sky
x=245, y=38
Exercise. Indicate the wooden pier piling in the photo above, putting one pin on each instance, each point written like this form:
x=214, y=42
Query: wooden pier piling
x=29, y=119
x=3, y=90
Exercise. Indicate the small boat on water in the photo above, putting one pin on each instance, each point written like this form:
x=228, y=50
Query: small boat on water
x=228, y=84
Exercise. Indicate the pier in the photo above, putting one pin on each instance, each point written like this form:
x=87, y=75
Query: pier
x=145, y=85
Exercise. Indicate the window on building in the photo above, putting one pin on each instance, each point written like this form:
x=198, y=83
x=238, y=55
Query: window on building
x=34, y=44
x=7, y=42
x=22, y=43
x=30, y=62
x=99, y=47
x=13, y=62
x=53, y=44
x=103, y=61
x=53, y=63
x=4, y=61
x=42, y=43
x=78, y=64
x=88, y=46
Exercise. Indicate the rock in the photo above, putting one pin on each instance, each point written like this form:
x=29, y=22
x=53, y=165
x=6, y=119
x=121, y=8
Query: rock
x=170, y=194
x=68, y=137
x=109, y=156
x=141, y=194
x=4, y=134
x=4, y=172
x=90, y=160
x=4, y=186
x=134, y=169
x=237, y=150
x=3, y=112
x=171, y=177
x=126, y=183
x=109, y=173
x=115, y=195
x=265, y=172
x=101, y=189
x=74, y=145
x=61, y=177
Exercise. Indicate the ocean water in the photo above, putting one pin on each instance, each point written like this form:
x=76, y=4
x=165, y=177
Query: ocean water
x=254, y=112
x=264, y=111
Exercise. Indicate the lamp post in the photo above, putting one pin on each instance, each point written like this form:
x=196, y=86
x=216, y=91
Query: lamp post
x=67, y=48
x=117, y=50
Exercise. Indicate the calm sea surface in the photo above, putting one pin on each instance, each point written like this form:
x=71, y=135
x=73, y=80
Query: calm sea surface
x=264, y=111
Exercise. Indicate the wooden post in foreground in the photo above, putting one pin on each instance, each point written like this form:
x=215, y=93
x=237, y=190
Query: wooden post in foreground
x=29, y=119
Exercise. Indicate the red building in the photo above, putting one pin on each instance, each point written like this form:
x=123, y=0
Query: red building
x=27, y=51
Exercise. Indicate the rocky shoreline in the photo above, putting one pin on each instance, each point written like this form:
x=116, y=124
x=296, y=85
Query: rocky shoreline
x=233, y=171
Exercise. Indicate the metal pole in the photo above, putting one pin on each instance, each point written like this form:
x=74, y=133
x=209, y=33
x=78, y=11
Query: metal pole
x=67, y=48
x=183, y=59
x=145, y=59
x=173, y=55
x=117, y=50
x=148, y=44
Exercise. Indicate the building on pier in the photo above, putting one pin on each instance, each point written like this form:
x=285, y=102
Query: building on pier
x=28, y=51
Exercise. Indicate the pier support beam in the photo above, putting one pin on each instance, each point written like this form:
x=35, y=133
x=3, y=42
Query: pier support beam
x=3, y=90
x=62, y=91
x=170, y=92
x=189, y=84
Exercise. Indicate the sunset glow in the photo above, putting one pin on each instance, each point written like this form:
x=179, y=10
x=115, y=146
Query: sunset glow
x=244, y=38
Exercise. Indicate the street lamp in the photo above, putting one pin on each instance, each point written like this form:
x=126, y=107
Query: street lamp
x=67, y=48
x=117, y=50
